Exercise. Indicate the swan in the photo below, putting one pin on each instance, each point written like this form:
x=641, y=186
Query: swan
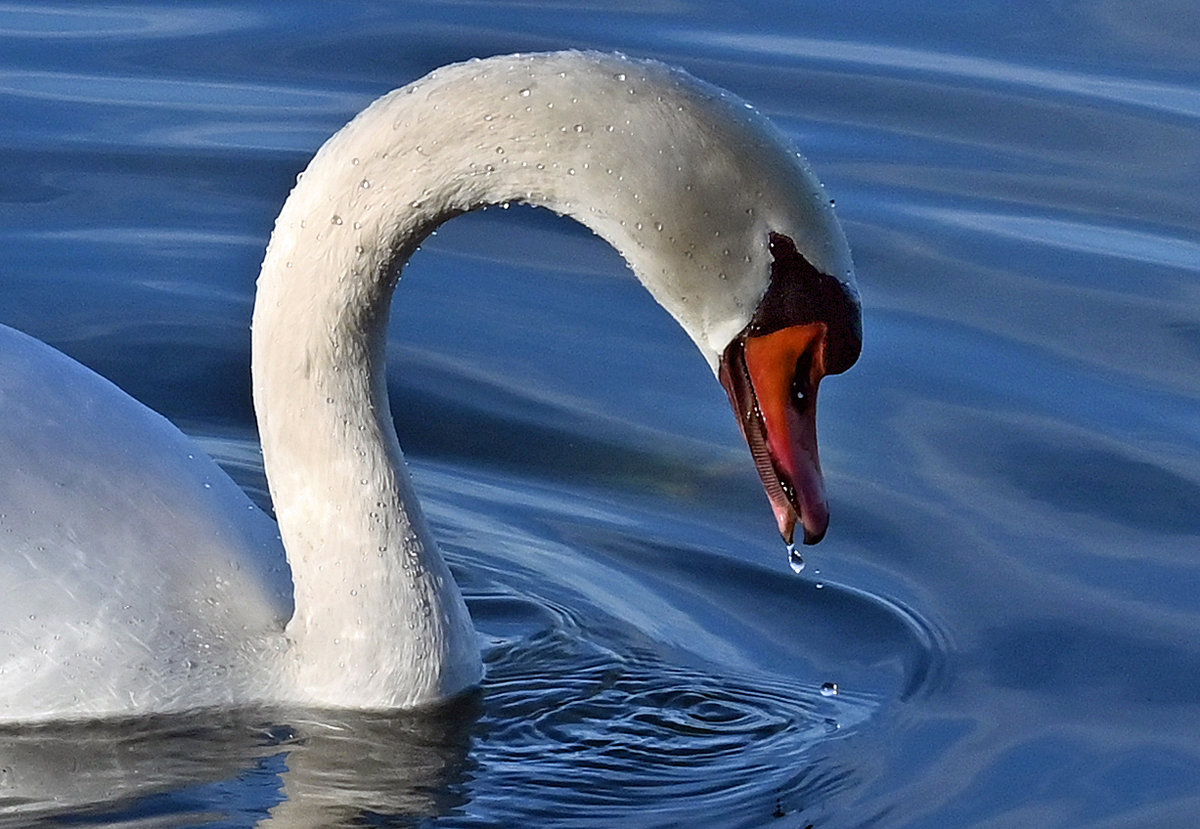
x=136, y=577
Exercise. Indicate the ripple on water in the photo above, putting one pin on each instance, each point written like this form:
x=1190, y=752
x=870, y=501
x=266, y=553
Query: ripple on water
x=597, y=731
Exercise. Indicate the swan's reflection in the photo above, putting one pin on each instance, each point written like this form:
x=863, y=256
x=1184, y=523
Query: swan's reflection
x=272, y=769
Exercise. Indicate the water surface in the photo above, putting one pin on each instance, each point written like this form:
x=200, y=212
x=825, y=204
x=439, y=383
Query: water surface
x=1009, y=595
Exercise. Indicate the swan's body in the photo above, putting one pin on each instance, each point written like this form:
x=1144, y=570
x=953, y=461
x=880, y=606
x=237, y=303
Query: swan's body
x=126, y=555
x=148, y=582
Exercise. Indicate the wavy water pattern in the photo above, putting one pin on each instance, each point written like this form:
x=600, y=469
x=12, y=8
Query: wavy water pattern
x=999, y=629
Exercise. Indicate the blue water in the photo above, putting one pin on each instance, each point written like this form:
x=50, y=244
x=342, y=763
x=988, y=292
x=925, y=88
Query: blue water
x=1008, y=601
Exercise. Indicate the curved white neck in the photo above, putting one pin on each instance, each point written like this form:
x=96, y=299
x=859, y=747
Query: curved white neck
x=682, y=180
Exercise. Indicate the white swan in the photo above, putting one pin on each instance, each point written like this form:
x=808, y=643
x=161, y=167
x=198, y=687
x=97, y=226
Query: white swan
x=136, y=577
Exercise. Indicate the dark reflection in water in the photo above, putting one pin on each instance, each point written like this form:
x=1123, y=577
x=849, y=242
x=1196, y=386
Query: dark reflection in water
x=1138, y=494
x=1058, y=658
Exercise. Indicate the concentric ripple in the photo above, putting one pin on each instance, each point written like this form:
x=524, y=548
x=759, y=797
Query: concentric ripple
x=589, y=733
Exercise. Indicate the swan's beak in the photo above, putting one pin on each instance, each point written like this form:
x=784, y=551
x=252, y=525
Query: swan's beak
x=772, y=383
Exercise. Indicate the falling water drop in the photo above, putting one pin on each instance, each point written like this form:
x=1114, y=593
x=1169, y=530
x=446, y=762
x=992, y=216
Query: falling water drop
x=795, y=559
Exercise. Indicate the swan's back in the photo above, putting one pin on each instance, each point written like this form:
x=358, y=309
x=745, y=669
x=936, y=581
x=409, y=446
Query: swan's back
x=127, y=554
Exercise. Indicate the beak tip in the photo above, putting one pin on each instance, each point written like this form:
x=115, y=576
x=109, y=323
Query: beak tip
x=814, y=536
x=814, y=526
x=815, y=521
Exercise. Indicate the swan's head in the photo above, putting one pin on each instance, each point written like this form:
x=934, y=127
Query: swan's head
x=726, y=225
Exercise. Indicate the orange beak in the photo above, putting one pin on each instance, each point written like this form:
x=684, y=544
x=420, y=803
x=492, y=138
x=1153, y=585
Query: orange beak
x=772, y=382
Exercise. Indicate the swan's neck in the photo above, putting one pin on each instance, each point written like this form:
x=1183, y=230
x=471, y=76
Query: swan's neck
x=656, y=164
x=379, y=621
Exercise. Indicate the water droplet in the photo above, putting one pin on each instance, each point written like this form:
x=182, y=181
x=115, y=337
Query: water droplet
x=795, y=559
x=829, y=689
x=620, y=76
x=578, y=128
x=365, y=184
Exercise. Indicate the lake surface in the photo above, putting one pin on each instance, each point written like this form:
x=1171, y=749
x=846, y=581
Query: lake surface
x=1002, y=628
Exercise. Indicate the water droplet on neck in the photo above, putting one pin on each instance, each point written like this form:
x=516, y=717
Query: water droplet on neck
x=829, y=689
x=795, y=559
